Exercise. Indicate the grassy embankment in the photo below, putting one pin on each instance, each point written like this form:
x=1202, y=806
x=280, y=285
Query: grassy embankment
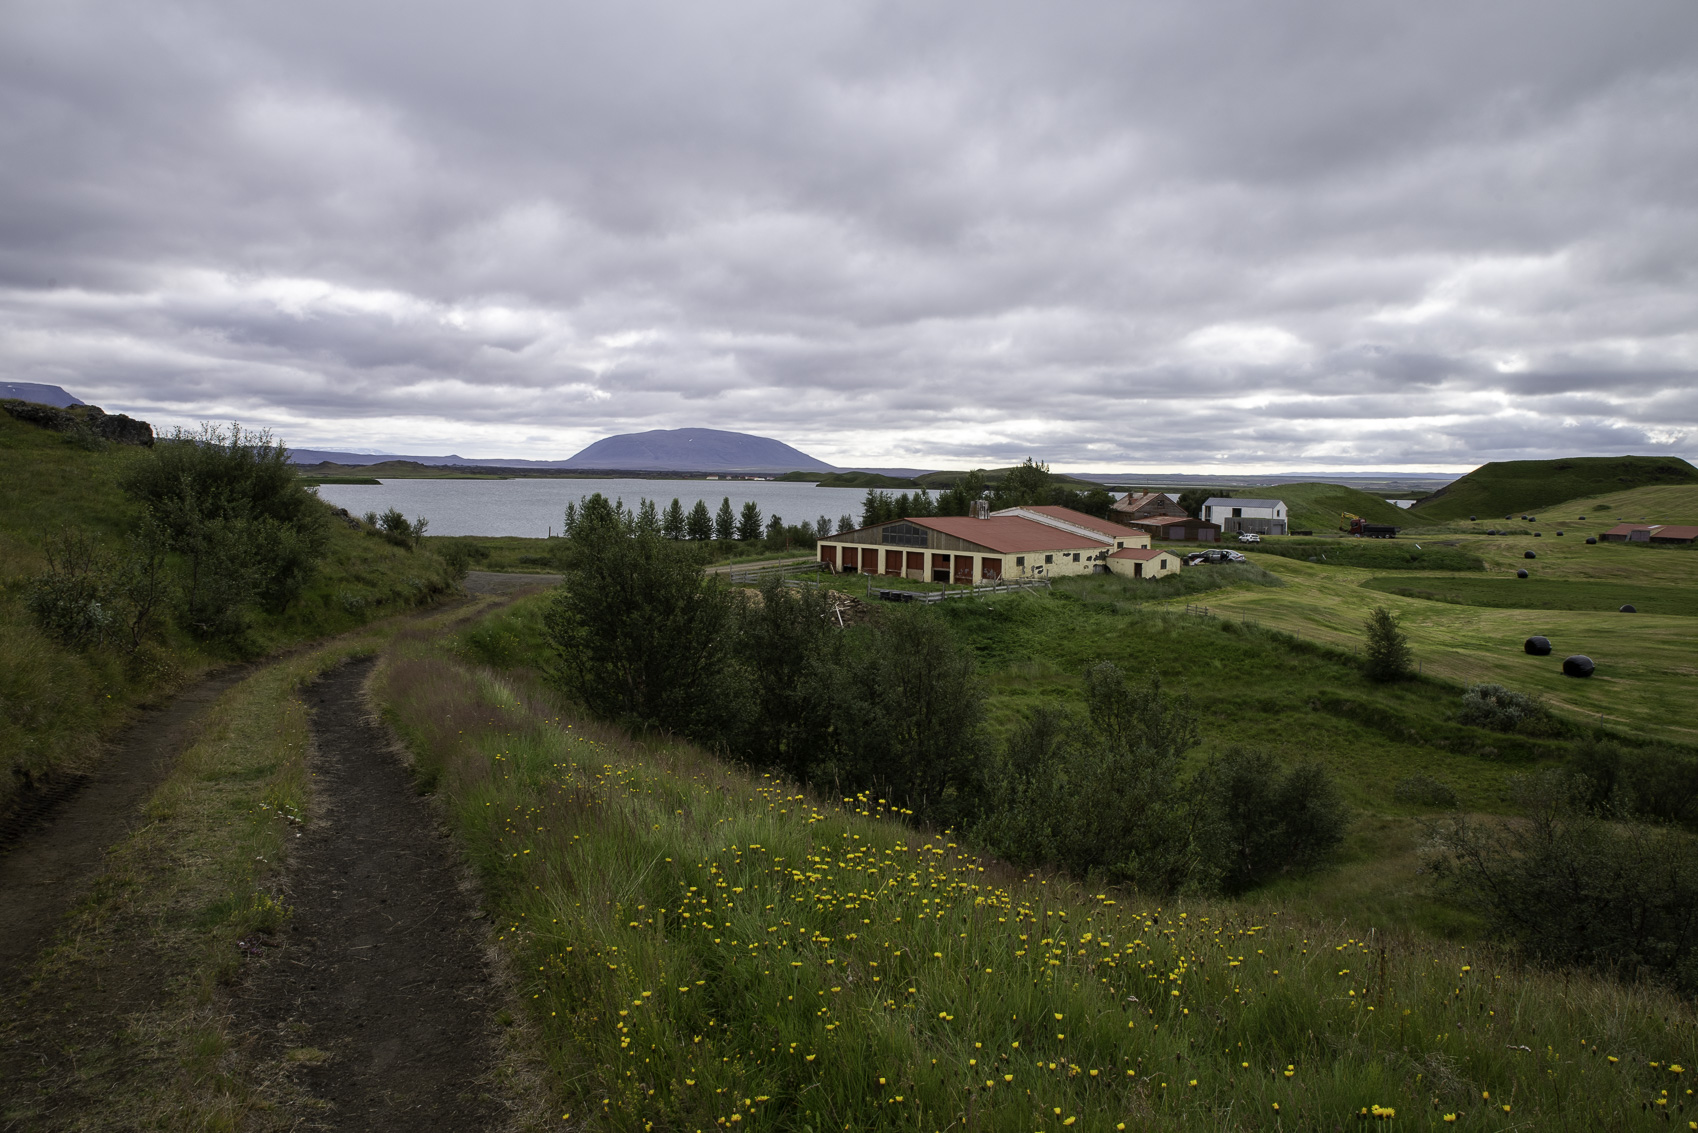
x=704, y=948
x=1516, y=487
x=56, y=701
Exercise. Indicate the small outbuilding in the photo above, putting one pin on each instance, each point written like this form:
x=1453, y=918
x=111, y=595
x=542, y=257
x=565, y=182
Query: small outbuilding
x=1144, y=562
x=1650, y=533
x=1178, y=529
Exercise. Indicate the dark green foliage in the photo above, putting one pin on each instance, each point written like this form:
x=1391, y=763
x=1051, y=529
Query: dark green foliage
x=1647, y=782
x=907, y=715
x=880, y=507
x=1387, y=656
x=725, y=522
x=638, y=632
x=1570, y=888
x=73, y=602
x=699, y=527
x=1266, y=820
x=396, y=529
x=960, y=496
x=1192, y=500
x=786, y=640
x=749, y=522
x=674, y=525
x=1424, y=790
x=230, y=505
x=1502, y=710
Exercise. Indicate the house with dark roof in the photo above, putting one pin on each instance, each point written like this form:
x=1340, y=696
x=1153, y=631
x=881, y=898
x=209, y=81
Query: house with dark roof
x=1177, y=528
x=1030, y=542
x=1145, y=505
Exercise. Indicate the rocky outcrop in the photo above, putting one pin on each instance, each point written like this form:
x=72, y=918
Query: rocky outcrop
x=118, y=428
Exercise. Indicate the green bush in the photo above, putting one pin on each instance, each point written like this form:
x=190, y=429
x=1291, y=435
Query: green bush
x=1501, y=710
x=1570, y=888
x=1424, y=790
x=1649, y=783
x=1387, y=656
x=1266, y=820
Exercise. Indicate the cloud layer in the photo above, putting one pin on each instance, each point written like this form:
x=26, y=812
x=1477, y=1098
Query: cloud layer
x=1163, y=236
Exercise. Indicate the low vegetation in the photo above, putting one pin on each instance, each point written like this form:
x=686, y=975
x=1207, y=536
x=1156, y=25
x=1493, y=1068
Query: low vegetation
x=1515, y=487
x=1373, y=554
x=1545, y=594
x=125, y=570
x=703, y=947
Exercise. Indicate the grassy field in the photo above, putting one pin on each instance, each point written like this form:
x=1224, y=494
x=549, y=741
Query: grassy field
x=55, y=702
x=1544, y=594
x=1513, y=487
x=1381, y=554
x=703, y=948
x=1319, y=507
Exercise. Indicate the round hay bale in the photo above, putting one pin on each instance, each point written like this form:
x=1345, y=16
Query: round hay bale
x=1529, y=555
x=1591, y=539
x=1578, y=665
x=1537, y=646
x=1520, y=574
x=1559, y=533
x=1538, y=534
x=1629, y=609
x=1581, y=517
x=1491, y=531
x=1532, y=519
x=1473, y=518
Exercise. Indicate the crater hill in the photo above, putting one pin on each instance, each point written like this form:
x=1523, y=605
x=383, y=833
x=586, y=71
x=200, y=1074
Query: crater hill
x=694, y=450
x=1506, y=487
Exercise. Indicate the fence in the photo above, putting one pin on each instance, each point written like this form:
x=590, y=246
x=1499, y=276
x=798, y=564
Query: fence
x=759, y=574
x=1023, y=585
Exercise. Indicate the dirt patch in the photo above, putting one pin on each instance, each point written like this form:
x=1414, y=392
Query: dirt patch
x=53, y=843
x=375, y=999
x=494, y=582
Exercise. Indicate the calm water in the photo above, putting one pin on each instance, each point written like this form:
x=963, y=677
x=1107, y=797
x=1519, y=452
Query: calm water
x=533, y=508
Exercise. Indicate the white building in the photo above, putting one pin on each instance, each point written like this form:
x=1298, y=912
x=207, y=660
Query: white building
x=1264, y=517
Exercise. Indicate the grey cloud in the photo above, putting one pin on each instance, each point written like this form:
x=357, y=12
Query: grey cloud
x=886, y=233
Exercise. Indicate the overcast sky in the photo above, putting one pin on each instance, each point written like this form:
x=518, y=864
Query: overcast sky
x=1267, y=236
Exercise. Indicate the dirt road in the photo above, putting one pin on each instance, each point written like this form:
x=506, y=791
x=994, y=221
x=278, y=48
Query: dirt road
x=52, y=852
x=379, y=991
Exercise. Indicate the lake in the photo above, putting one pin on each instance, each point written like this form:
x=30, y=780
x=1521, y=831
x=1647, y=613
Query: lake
x=535, y=507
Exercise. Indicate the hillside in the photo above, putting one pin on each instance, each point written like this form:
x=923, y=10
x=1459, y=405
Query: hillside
x=39, y=394
x=57, y=700
x=694, y=450
x=1317, y=507
x=1509, y=487
x=943, y=481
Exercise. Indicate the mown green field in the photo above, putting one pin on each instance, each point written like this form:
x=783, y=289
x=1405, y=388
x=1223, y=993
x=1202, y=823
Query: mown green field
x=1543, y=594
x=1514, y=487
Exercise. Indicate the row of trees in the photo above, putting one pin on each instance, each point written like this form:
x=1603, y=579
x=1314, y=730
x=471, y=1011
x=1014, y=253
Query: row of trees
x=894, y=707
x=699, y=525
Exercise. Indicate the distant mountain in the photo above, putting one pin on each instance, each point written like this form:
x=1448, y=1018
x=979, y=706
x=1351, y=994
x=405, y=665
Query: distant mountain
x=694, y=450
x=38, y=393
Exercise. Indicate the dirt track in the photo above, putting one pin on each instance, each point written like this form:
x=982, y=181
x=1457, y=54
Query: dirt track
x=53, y=853
x=379, y=986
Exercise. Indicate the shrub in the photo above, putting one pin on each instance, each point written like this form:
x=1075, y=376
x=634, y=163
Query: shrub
x=86, y=598
x=1388, y=656
x=1567, y=887
x=1424, y=790
x=1501, y=710
x=1649, y=783
x=1266, y=820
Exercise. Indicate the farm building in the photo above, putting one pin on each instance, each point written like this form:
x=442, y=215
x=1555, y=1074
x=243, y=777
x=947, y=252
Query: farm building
x=1143, y=562
x=1650, y=533
x=1263, y=517
x=969, y=550
x=1180, y=528
x=1145, y=505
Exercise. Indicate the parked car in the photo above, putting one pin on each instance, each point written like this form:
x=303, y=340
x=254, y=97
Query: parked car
x=1219, y=555
x=1249, y=537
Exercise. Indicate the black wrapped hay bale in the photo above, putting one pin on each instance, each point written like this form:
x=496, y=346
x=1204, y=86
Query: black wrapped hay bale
x=1578, y=665
x=1538, y=646
x=1559, y=533
x=1538, y=534
x=1591, y=539
x=1582, y=518
x=1528, y=555
x=1473, y=519
x=1629, y=609
x=1520, y=574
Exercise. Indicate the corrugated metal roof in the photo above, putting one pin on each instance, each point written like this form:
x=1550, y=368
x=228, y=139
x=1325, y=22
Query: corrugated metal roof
x=1144, y=554
x=1167, y=519
x=1008, y=534
x=1109, y=528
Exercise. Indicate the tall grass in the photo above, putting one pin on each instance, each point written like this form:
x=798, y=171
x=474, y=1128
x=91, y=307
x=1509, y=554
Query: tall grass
x=703, y=948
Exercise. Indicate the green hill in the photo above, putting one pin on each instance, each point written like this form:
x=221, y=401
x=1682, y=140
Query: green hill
x=1509, y=487
x=943, y=481
x=57, y=699
x=1320, y=507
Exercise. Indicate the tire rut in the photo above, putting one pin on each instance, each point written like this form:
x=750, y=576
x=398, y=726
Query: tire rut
x=378, y=995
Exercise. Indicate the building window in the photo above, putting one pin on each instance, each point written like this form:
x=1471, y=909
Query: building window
x=904, y=535
x=1075, y=556
x=1119, y=546
x=1020, y=561
x=1237, y=513
x=1049, y=558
